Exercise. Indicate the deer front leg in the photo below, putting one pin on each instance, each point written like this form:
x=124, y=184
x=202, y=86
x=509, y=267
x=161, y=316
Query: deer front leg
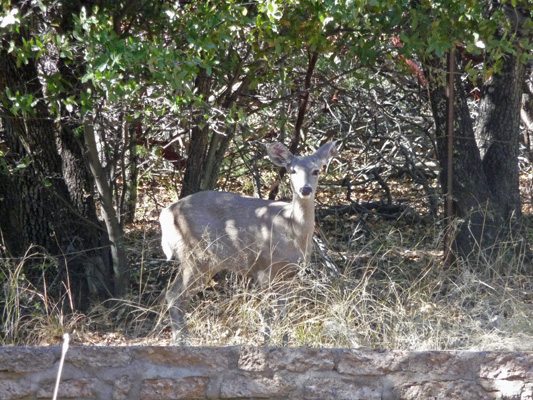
x=277, y=277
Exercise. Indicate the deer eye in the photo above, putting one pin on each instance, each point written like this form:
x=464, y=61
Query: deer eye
x=315, y=172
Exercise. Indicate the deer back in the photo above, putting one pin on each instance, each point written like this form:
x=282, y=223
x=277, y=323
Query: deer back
x=220, y=230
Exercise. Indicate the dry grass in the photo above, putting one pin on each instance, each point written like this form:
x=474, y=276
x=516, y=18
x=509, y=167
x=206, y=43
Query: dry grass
x=394, y=299
x=391, y=291
x=29, y=315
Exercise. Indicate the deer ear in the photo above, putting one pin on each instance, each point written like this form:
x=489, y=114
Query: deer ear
x=326, y=151
x=279, y=154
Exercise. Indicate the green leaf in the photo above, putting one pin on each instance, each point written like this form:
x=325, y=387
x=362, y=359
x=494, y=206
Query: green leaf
x=102, y=66
x=87, y=77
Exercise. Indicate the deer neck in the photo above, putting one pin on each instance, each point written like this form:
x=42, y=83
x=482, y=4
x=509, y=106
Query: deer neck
x=303, y=222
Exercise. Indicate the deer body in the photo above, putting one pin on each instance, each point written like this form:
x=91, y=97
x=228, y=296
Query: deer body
x=212, y=231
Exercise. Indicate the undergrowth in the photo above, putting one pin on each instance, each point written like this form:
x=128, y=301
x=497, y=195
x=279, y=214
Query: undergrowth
x=394, y=299
x=29, y=314
x=387, y=292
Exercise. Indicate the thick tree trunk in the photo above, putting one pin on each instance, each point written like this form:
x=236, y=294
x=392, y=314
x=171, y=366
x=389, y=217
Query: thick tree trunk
x=44, y=212
x=498, y=133
x=486, y=188
x=57, y=179
x=486, y=181
x=470, y=189
x=46, y=202
x=10, y=207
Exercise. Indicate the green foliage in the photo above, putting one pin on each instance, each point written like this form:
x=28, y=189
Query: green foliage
x=151, y=67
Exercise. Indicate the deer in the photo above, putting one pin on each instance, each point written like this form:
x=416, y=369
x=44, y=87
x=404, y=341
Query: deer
x=211, y=231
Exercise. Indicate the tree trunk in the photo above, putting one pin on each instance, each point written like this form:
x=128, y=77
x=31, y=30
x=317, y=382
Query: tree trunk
x=82, y=176
x=41, y=211
x=10, y=204
x=80, y=184
x=192, y=181
x=51, y=197
x=486, y=187
x=217, y=150
x=130, y=171
x=114, y=228
x=498, y=133
x=92, y=245
x=471, y=194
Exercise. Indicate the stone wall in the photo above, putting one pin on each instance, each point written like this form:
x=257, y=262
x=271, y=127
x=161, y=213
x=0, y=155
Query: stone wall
x=263, y=373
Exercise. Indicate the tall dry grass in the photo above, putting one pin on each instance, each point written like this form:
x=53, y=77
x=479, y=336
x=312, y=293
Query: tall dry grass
x=387, y=296
x=29, y=315
x=386, y=291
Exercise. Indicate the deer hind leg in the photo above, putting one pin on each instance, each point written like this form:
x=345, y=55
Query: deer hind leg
x=191, y=279
x=176, y=296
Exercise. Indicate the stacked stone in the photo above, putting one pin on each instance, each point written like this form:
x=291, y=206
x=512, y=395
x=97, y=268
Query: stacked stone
x=263, y=373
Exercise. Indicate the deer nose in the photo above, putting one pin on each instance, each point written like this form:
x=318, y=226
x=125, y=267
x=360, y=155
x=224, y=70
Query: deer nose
x=306, y=190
